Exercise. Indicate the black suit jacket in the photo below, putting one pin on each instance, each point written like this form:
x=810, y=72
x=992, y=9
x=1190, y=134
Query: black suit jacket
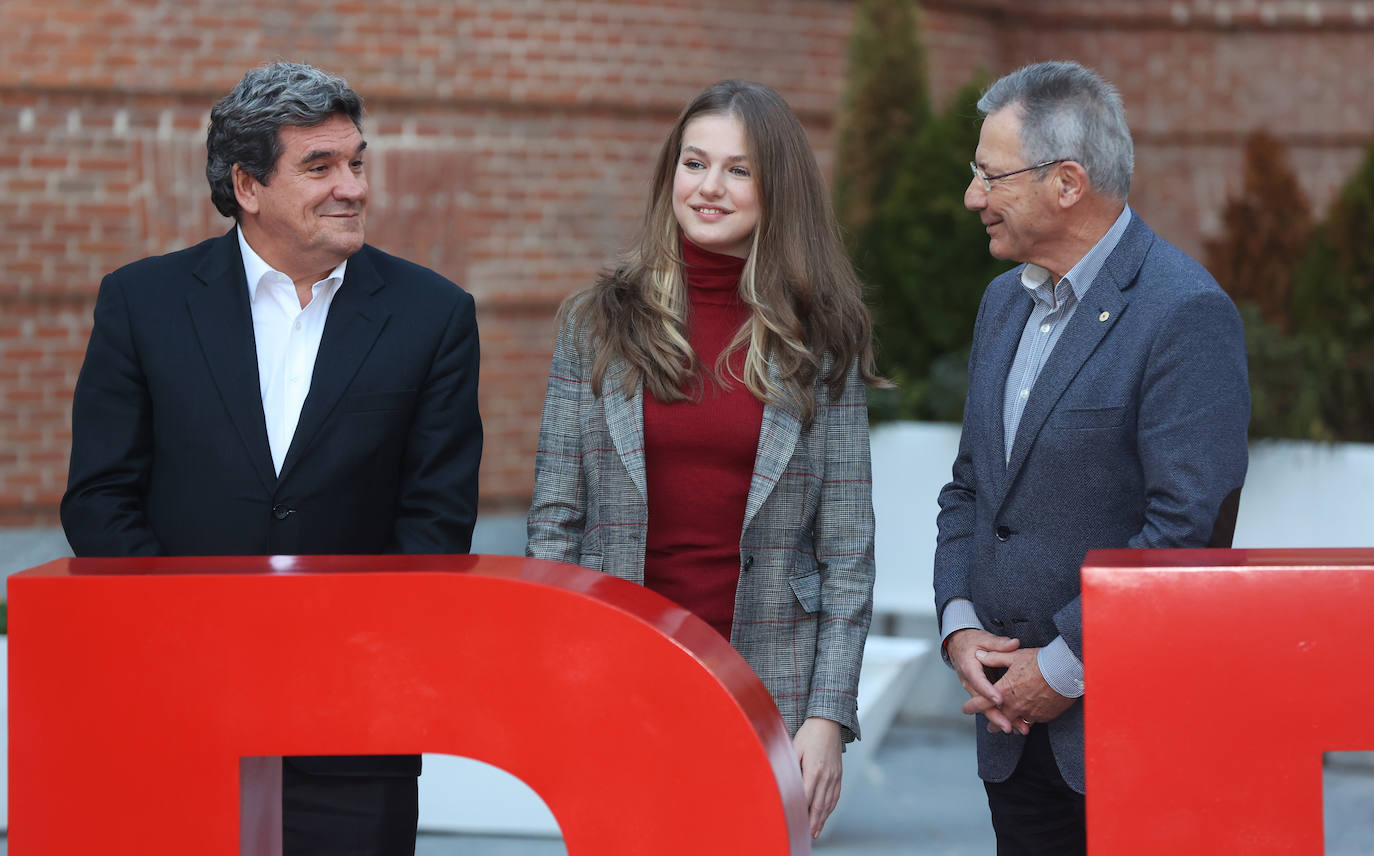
x=169, y=443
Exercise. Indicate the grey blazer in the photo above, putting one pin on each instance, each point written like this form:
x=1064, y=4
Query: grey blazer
x=1133, y=435
x=805, y=594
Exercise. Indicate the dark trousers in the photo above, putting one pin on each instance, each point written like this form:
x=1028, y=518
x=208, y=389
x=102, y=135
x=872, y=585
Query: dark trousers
x=1035, y=812
x=326, y=815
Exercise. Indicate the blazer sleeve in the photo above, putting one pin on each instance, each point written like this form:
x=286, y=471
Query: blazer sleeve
x=1194, y=414
x=557, y=515
x=958, y=503
x=1191, y=434
x=436, y=506
x=844, y=549
x=103, y=511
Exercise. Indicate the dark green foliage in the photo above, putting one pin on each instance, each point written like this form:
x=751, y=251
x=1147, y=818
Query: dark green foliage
x=885, y=103
x=900, y=174
x=1285, y=399
x=1333, y=310
x=926, y=260
x=1265, y=232
x=1307, y=298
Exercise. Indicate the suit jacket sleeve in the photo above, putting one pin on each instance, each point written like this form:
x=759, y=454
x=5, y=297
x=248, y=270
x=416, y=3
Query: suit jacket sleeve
x=103, y=512
x=557, y=514
x=957, y=500
x=1191, y=440
x=436, y=506
x=844, y=547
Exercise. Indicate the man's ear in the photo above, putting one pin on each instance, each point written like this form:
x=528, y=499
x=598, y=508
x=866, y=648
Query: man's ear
x=1072, y=182
x=245, y=190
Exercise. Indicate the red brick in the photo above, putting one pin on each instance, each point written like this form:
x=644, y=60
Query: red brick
x=529, y=133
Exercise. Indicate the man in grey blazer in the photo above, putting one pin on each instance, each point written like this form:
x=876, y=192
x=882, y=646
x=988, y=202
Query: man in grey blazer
x=1107, y=407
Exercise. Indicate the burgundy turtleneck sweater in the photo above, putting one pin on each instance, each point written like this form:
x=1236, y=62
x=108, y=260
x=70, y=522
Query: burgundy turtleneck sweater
x=699, y=455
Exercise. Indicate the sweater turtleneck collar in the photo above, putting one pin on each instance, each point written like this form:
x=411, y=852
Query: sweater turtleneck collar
x=710, y=271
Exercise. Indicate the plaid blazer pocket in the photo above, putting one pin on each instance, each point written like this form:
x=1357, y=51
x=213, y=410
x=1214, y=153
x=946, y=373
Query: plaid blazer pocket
x=807, y=588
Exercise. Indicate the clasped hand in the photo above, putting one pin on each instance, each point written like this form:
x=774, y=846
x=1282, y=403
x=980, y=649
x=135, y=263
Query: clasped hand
x=1019, y=698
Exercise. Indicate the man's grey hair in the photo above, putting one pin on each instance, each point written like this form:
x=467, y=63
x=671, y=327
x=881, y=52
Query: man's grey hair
x=1067, y=112
x=245, y=125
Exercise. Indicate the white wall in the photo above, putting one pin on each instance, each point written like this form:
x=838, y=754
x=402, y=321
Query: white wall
x=1307, y=495
x=911, y=462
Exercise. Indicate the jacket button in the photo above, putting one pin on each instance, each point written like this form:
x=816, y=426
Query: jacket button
x=281, y=512
x=1003, y=533
x=748, y=562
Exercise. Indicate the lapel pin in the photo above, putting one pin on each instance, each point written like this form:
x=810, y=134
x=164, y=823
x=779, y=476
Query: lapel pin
x=1104, y=316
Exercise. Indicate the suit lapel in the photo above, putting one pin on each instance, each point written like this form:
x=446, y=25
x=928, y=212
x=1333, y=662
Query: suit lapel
x=1095, y=316
x=1008, y=321
x=777, y=440
x=355, y=320
x=625, y=422
x=223, y=322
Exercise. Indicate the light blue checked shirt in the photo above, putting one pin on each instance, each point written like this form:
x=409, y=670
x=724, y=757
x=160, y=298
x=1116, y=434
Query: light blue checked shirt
x=1054, y=305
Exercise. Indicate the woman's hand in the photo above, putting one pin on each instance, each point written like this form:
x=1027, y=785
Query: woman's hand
x=818, y=747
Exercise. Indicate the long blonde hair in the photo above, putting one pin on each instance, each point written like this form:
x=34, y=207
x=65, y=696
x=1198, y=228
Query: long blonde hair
x=806, y=301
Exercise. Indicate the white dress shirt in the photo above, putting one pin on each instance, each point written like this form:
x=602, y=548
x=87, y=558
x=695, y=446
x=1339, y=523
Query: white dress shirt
x=288, y=340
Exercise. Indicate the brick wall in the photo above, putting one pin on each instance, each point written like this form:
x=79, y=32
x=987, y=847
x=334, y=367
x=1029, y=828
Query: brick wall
x=510, y=143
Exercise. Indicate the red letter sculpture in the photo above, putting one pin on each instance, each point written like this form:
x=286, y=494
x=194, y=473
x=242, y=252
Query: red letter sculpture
x=146, y=694
x=1216, y=680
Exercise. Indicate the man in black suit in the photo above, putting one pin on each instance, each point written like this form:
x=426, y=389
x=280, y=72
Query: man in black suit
x=284, y=389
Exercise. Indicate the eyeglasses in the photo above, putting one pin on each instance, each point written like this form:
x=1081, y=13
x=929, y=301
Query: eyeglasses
x=989, y=179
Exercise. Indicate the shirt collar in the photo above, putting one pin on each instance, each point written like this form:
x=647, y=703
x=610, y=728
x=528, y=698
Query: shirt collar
x=1082, y=274
x=254, y=268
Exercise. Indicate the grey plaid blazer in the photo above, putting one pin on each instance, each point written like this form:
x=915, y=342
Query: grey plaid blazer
x=805, y=595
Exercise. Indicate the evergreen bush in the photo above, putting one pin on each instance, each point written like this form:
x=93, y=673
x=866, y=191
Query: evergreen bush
x=1306, y=294
x=1333, y=306
x=885, y=104
x=1265, y=232
x=900, y=174
x=928, y=263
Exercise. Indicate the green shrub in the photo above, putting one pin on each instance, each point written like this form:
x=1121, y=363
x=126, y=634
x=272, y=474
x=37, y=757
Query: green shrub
x=900, y=175
x=1306, y=294
x=1285, y=397
x=1333, y=307
x=885, y=104
x=1265, y=232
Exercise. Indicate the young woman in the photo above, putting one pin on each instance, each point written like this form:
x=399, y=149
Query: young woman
x=705, y=431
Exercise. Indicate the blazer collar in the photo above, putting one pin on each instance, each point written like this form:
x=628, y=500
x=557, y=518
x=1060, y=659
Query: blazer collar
x=1008, y=322
x=356, y=318
x=1100, y=310
x=625, y=422
x=223, y=322
x=777, y=440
